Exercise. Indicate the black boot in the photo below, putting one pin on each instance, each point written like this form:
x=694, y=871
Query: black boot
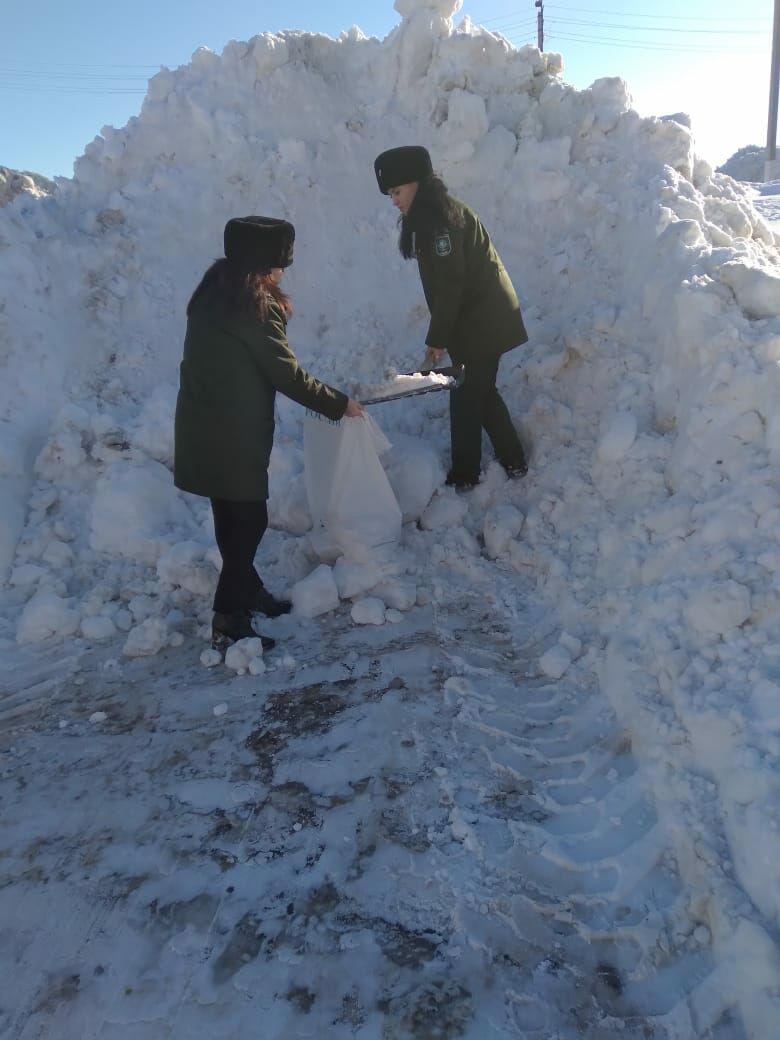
x=461, y=481
x=227, y=629
x=266, y=603
x=514, y=461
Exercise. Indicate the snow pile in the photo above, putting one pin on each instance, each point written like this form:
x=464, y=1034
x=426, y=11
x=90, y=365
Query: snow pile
x=14, y=182
x=746, y=164
x=646, y=396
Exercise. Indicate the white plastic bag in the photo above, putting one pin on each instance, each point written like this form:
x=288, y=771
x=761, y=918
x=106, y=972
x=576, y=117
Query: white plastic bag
x=353, y=507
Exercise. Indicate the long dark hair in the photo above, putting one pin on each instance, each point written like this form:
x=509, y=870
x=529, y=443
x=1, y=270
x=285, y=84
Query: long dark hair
x=432, y=210
x=241, y=288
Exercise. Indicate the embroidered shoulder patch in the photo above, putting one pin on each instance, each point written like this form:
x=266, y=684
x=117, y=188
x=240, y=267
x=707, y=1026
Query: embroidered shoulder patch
x=443, y=245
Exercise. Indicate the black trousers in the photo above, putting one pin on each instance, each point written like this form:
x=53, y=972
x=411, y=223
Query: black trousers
x=239, y=527
x=475, y=406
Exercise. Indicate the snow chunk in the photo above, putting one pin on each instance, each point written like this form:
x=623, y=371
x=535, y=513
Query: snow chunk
x=571, y=643
x=501, y=526
x=402, y=383
x=146, y=639
x=288, y=509
x=718, y=608
x=414, y=471
x=27, y=574
x=241, y=655
x=397, y=593
x=765, y=700
x=444, y=511
x=154, y=430
x=134, y=510
x=185, y=565
x=210, y=657
x=368, y=611
x=555, y=662
x=315, y=594
x=618, y=439
x=757, y=290
x=466, y=124
x=444, y=8
x=45, y=616
x=269, y=52
x=98, y=628
x=354, y=578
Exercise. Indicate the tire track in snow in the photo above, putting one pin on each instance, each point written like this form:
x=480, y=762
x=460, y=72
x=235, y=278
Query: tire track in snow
x=575, y=839
x=32, y=682
x=409, y=837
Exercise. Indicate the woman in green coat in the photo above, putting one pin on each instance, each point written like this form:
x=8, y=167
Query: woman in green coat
x=475, y=315
x=236, y=358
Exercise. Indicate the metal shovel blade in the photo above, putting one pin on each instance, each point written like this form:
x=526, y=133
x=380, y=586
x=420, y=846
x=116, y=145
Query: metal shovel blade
x=456, y=375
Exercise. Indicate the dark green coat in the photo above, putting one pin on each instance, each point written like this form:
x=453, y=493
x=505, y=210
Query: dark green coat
x=233, y=366
x=473, y=304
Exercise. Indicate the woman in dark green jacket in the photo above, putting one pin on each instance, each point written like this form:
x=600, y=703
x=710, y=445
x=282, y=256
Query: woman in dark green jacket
x=475, y=315
x=236, y=358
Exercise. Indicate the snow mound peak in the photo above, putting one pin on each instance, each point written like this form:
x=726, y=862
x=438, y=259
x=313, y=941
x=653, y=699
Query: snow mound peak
x=444, y=8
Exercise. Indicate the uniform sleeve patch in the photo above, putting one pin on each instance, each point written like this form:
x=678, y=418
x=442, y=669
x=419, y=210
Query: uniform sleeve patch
x=443, y=245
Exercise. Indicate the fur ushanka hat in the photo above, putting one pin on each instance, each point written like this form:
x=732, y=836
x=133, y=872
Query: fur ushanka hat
x=259, y=242
x=402, y=166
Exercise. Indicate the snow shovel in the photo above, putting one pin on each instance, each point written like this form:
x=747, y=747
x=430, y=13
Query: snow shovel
x=455, y=374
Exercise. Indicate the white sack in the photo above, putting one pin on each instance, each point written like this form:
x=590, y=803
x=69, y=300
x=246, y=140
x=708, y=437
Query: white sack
x=353, y=507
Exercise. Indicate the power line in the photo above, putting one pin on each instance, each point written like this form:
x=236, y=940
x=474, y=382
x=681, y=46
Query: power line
x=15, y=63
x=72, y=78
x=662, y=17
x=32, y=76
x=654, y=29
x=55, y=89
x=507, y=19
x=517, y=29
x=522, y=21
x=636, y=14
x=677, y=48
x=514, y=29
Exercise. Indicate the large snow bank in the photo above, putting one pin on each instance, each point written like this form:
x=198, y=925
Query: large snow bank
x=646, y=395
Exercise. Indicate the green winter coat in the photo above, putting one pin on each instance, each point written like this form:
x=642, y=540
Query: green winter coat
x=233, y=366
x=473, y=304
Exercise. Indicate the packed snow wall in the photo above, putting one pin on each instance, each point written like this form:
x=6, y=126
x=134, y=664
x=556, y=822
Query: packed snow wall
x=619, y=241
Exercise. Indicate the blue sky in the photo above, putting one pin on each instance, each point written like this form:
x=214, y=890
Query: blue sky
x=68, y=69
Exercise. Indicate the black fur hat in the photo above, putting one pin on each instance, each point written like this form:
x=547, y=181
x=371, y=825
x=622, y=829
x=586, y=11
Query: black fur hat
x=259, y=242
x=402, y=166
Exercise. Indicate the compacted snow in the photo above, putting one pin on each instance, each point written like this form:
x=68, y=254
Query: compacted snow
x=512, y=767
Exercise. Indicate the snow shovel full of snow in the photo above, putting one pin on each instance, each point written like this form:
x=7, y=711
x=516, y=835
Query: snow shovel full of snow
x=414, y=383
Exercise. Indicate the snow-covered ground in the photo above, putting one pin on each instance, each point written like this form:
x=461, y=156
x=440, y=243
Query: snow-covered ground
x=520, y=778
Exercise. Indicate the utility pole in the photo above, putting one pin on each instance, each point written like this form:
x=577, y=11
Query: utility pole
x=540, y=22
x=771, y=171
